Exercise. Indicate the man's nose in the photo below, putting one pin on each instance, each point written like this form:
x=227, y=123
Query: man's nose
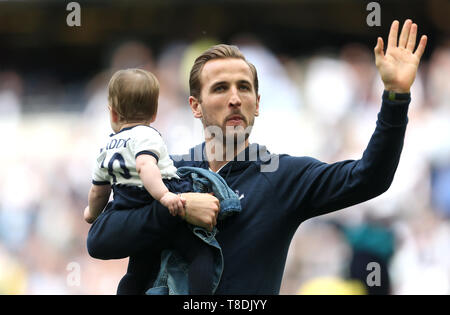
x=235, y=100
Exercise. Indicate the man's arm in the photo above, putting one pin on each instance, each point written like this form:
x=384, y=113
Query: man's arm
x=327, y=187
x=119, y=234
x=335, y=186
x=309, y=187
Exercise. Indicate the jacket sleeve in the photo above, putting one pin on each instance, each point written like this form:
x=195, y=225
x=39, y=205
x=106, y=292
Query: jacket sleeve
x=118, y=234
x=313, y=188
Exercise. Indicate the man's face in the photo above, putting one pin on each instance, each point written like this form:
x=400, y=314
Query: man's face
x=228, y=99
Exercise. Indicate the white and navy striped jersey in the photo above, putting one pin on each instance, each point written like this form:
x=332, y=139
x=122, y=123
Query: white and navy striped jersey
x=116, y=163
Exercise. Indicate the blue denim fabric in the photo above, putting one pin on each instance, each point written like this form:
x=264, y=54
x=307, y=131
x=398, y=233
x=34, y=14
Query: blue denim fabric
x=207, y=181
x=173, y=274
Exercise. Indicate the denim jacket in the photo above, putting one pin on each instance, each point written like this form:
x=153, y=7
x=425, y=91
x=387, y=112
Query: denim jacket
x=173, y=274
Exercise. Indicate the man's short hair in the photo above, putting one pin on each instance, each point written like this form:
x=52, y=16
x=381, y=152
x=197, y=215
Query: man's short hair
x=133, y=94
x=221, y=51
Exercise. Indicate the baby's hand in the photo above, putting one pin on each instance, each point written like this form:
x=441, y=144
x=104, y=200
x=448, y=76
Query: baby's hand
x=172, y=202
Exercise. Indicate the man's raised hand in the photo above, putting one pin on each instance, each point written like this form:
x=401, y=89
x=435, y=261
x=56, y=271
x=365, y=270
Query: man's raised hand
x=398, y=66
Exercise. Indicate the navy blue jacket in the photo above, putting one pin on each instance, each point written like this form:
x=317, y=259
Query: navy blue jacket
x=255, y=243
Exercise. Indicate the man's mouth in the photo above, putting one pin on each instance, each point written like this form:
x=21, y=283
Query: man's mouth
x=234, y=120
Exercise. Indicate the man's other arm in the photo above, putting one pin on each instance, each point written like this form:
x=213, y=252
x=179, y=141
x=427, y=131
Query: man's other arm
x=117, y=234
x=121, y=233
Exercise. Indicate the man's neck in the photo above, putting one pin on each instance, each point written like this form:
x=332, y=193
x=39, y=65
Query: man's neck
x=217, y=155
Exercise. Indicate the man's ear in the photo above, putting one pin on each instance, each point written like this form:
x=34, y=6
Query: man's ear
x=195, y=107
x=257, y=105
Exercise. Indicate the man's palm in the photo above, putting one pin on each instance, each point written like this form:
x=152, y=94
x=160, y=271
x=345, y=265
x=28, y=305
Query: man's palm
x=398, y=67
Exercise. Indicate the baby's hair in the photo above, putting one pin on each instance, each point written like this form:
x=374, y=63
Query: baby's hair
x=133, y=94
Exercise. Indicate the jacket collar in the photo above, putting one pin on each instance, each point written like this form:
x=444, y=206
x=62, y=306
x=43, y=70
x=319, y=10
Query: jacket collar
x=253, y=153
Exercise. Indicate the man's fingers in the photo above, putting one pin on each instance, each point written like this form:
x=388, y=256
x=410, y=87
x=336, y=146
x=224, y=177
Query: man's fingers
x=218, y=208
x=393, y=34
x=405, y=34
x=379, y=48
x=421, y=48
x=412, y=38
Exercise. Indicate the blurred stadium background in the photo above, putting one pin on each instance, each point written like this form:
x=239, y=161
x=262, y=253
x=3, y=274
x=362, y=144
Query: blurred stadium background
x=320, y=95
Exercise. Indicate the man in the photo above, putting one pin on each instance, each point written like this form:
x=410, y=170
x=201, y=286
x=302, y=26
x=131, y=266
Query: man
x=224, y=95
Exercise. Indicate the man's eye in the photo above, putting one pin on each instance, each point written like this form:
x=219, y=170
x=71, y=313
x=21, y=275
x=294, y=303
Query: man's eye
x=218, y=89
x=245, y=88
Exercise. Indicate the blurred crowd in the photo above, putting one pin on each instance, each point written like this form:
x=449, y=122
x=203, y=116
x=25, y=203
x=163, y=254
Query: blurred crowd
x=323, y=105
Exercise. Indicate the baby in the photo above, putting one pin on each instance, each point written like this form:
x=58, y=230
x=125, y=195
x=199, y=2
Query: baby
x=136, y=155
x=136, y=165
